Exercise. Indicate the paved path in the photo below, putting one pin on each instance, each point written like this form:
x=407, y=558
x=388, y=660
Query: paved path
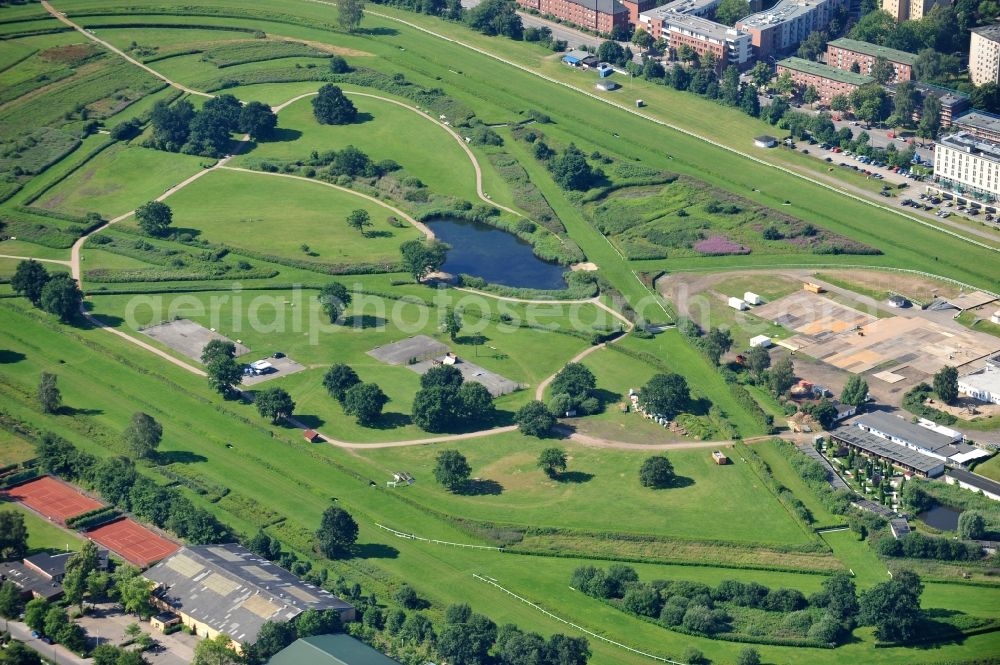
x=92, y=37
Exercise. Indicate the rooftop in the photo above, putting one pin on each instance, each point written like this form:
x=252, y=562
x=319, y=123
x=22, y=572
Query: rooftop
x=785, y=10
x=987, y=378
x=700, y=26
x=890, y=54
x=339, y=649
x=979, y=120
x=691, y=7
x=972, y=145
x=602, y=6
x=984, y=484
x=233, y=590
x=28, y=580
x=878, y=446
x=933, y=442
x=54, y=565
x=989, y=32
x=826, y=71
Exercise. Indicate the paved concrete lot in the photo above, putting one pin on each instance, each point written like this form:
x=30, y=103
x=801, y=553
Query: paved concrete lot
x=187, y=337
x=108, y=623
x=282, y=367
x=496, y=384
x=420, y=347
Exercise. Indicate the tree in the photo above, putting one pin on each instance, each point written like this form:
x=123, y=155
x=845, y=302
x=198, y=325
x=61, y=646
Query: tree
x=535, y=419
x=855, y=391
x=364, y=401
x=758, y=360
x=78, y=569
x=217, y=348
x=814, y=45
x=171, y=124
x=34, y=614
x=338, y=65
x=656, y=472
x=274, y=403
x=339, y=379
x=840, y=103
x=475, y=402
x=552, y=461
x=729, y=91
x=750, y=101
x=317, y=622
x=782, y=376
x=48, y=395
x=442, y=376
x=575, y=383
x=986, y=97
x=748, y=656
x=972, y=525
x=882, y=70
x=784, y=85
x=422, y=258
x=930, y=117
x=350, y=13
x=215, y=651
x=359, y=220
x=451, y=469
x=730, y=11
x=761, y=74
x=13, y=535
x=496, y=17
x=611, y=51
x=272, y=637
x=10, y=600
x=223, y=373
x=331, y=107
x=154, y=217
x=642, y=39
x=451, y=322
x=904, y=102
x=716, y=343
x=133, y=591
x=665, y=395
x=810, y=95
x=571, y=170
x=337, y=532
x=29, y=279
x=334, y=298
x=212, y=127
x=946, y=384
x=893, y=607
x=257, y=120
x=18, y=653
x=467, y=643
x=436, y=408
x=62, y=296
x=143, y=435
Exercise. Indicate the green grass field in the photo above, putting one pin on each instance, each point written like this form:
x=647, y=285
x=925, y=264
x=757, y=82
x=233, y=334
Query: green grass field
x=42, y=534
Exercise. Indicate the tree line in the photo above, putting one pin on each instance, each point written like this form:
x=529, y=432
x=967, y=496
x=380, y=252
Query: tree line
x=57, y=294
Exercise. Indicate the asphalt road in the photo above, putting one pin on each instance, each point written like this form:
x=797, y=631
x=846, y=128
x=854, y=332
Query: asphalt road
x=54, y=652
x=574, y=38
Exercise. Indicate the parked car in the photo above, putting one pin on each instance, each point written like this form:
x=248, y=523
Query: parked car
x=278, y=354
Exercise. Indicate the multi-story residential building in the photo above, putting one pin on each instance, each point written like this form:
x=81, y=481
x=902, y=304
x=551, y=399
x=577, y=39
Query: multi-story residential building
x=845, y=53
x=910, y=10
x=828, y=81
x=982, y=125
x=681, y=24
x=782, y=27
x=967, y=165
x=637, y=7
x=984, y=55
x=598, y=15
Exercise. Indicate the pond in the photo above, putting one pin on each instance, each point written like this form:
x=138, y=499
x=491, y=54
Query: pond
x=497, y=256
x=943, y=518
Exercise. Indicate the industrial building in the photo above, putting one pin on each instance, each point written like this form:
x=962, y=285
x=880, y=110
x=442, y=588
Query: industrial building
x=339, y=649
x=229, y=590
x=939, y=443
x=875, y=446
x=845, y=53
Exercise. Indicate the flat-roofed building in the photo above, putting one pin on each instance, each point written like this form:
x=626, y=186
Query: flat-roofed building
x=875, y=446
x=935, y=441
x=983, y=384
x=845, y=53
x=980, y=124
x=229, y=590
x=601, y=16
x=967, y=164
x=783, y=27
x=828, y=81
x=910, y=10
x=680, y=24
x=984, y=55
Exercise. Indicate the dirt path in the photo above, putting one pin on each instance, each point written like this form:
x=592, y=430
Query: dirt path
x=32, y=258
x=92, y=37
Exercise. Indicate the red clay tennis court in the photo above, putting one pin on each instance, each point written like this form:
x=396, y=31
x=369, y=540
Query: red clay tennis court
x=133, y=542
x=52, y=498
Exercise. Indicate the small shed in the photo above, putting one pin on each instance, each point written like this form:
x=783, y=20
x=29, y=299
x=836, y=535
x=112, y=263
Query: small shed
x=578, y=58
x=752, y=298
x=737, y=303
x=311, y=435
x=765, y=141
x=604, y=70
x=813, y=287
x=760, y=340
x=164, y=621
x=719, y=457
x=607, y=86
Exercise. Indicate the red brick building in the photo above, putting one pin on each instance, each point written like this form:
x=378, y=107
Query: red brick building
x=598, y=15
x=844, y=53
x=636, y=7
x=828, y=81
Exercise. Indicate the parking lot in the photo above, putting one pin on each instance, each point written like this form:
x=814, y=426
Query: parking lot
x=279, y=367
x=187, y=337
x=106, y=623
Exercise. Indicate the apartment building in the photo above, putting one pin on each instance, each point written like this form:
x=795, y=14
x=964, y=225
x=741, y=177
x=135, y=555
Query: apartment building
x=984, y=55
x=598, y=15
x=781, y=28
x=845, y=53
x=828, y=81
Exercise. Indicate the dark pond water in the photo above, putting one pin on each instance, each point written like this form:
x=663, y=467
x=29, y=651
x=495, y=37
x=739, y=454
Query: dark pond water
x=944, y=518
x=496, y=256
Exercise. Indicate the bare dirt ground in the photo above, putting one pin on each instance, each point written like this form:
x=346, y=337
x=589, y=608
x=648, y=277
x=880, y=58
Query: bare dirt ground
x=914, y=286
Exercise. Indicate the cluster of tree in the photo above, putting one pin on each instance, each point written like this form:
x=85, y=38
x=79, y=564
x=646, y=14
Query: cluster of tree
x=701, y=77
x=543, y=36
x=351, y=162
x=570, y=170
x=118, y=482
x=56, y=294
x=938, y=29
x=615, y=53
x=109, y=654
x=53, y=622
x=699, y=608
x=446, y=402
x=332, y=107
x=728, y=12
x=822, y=411
x=893, y=607
x=13, y=535
x=364, y=401
x=973, y=525
x=219, y=359
x=496, y=17
x=535, y=419
x=916, y=545
x=421, y=258
x=178, y=127
x=574, y=390
x=946, y=384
